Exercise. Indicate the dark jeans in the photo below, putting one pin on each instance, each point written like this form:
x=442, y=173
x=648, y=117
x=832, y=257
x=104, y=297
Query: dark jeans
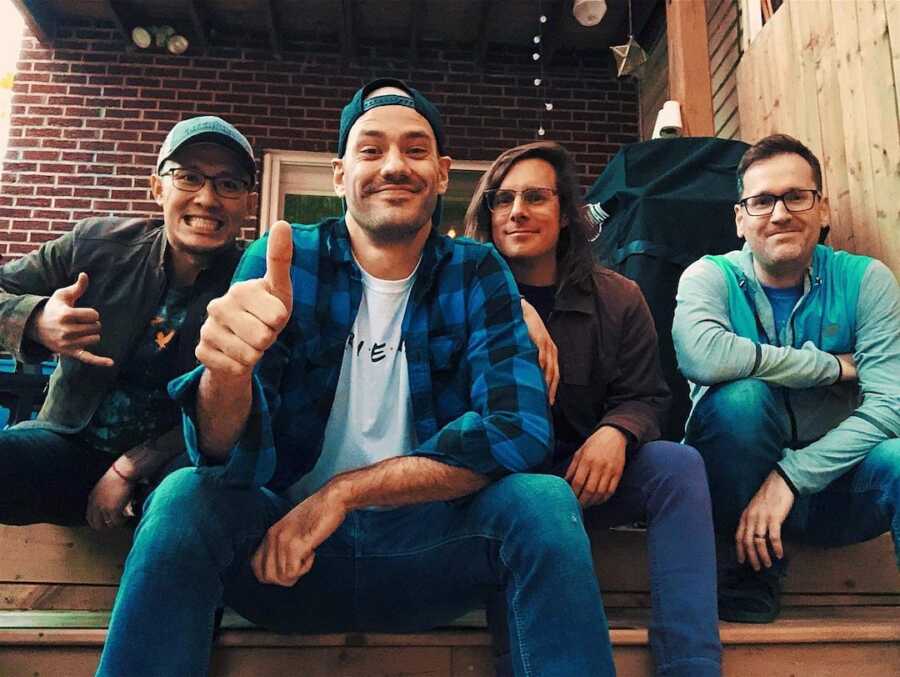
x=665, y=485
x=741, y=427
x=46, y=477
x=397, y=570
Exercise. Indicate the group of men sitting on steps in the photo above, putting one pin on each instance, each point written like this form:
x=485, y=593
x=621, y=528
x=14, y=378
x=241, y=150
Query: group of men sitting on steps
x=389, y=427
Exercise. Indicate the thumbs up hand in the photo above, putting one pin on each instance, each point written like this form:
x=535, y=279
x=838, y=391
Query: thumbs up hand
x=62, y=327
x=242, y=325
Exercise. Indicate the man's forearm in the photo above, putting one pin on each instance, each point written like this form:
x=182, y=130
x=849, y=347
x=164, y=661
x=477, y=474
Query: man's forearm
x=710, y=352
x=223, y=407
x=144, y=460
x=404, y=480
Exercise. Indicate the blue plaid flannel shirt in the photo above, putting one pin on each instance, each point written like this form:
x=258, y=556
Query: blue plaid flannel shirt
x=478, y=395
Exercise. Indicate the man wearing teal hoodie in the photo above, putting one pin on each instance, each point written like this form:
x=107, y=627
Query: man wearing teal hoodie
x=793, y=353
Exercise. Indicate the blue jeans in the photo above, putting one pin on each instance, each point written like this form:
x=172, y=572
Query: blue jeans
x=46, y=477
x=399, y=570
x=665, y=485
x=741, y=427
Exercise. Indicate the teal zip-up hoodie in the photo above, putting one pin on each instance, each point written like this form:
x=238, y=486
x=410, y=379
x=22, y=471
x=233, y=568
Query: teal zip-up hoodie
x=724, y=330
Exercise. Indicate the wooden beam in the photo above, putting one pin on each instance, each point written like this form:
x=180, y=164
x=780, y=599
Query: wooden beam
x=689, y=81
x=268, y=7
x=119, y=18
x=481, y=44
x=416, y=20
x=348, y=30
x=39, y=18
x=199, y=22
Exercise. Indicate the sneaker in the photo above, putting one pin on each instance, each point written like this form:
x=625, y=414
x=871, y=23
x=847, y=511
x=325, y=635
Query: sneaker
x=748, y=596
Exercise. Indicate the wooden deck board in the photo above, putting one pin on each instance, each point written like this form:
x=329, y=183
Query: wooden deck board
x=858, y=641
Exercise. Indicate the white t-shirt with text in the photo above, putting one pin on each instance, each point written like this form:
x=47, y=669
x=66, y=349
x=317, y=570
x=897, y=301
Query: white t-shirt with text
x=371, y=418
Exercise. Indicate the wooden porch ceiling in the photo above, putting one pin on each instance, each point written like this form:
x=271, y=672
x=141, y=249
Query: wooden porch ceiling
x=272, y=24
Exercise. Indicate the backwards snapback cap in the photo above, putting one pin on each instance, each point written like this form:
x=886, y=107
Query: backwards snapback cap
x=208, y=129
x=359, y=105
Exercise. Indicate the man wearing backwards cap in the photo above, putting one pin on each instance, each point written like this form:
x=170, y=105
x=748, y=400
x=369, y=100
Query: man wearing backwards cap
x=378, y=379
x=121, y=301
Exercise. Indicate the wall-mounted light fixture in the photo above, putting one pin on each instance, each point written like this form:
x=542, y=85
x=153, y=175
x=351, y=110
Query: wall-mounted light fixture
x=163, y=37
x=589, y=12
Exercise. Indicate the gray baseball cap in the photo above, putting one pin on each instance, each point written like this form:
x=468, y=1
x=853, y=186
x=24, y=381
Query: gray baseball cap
x=208, y=129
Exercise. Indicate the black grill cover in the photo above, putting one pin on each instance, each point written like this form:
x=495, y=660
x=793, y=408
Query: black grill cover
x=669, y=201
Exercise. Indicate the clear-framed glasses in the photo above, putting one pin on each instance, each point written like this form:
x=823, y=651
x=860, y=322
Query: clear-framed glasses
x=800, y=200
x=191, y=181
x=502, y=199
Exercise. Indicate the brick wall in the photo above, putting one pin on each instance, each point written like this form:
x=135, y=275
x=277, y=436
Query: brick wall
x=88, y=116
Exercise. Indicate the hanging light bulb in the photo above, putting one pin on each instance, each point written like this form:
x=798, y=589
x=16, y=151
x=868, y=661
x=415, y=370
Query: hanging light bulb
x=537, y=82
x=536, y=56
x=541, y=131
x=589, y=12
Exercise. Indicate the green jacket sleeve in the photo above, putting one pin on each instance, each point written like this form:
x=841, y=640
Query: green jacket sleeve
x=25, y=284
x=710, y=352
x=877, y=357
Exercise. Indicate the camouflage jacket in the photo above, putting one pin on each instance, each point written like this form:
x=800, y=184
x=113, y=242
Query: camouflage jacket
x=125, y=263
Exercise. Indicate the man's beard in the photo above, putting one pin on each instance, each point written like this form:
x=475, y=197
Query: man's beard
x=391, y=233
x=382, y=229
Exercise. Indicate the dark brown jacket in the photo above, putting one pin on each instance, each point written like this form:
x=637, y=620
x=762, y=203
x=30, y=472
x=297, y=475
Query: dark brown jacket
x=125, y=263
x=608, y=358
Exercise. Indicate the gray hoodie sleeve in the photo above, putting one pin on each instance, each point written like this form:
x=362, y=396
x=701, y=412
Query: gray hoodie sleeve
x=709, y=352
x=877, y=356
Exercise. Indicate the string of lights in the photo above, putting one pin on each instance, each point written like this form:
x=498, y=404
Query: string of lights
x=539, y=81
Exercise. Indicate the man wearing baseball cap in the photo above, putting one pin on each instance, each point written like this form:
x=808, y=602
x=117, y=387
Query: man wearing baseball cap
x=121, y=301
x=378, y=380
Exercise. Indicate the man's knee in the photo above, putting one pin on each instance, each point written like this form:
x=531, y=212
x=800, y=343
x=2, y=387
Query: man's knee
x=184, y=492
x=886, y=460
x=672, y=459
x=193, y=521
x=542, y=510
x=674, y=470
x=738, y=408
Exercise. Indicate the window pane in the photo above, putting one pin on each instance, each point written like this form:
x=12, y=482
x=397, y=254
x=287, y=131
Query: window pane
x=310, y=208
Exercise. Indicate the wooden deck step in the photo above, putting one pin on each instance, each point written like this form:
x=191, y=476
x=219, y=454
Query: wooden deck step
x=49, y=567
x=843, y=618
x=813, y=642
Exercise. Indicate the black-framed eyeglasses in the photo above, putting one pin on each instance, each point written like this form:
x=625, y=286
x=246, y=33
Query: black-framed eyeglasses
x=800, y=200
x=191, y=181
x=502, y=199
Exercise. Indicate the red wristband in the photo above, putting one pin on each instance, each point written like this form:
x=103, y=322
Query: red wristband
x=119, y=473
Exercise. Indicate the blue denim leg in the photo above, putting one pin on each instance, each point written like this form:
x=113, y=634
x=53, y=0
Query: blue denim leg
x=194, y=526
x=405, y=569
x=740, y=429
x=665, y=484
x=46, y=477
x=424, y=565
x=860, y=505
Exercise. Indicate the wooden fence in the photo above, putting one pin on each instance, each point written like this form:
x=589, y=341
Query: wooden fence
x=824, y=71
